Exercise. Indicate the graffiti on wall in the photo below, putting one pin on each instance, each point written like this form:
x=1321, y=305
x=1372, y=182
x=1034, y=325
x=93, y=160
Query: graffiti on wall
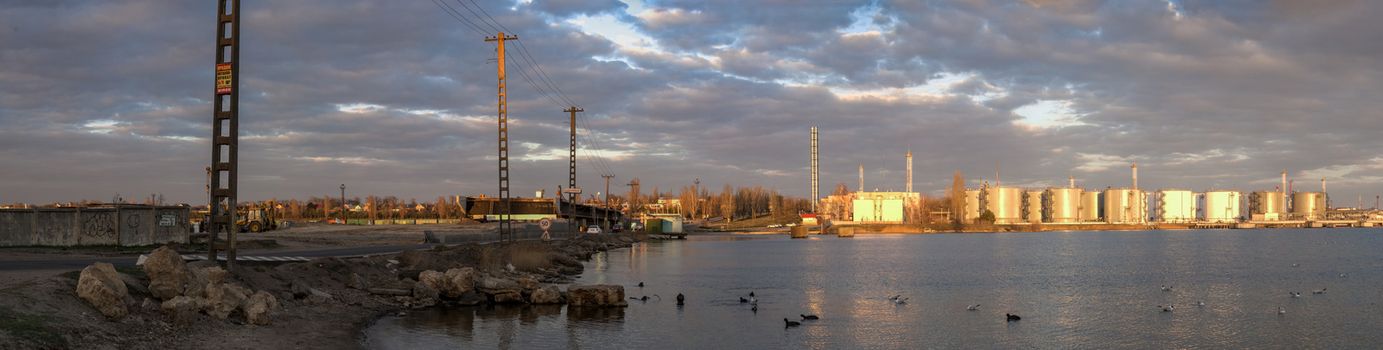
x=99, y=225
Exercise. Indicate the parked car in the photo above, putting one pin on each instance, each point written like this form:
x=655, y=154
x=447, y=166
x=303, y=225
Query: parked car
x=593, y=229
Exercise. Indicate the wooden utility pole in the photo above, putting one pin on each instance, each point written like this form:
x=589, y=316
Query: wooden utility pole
x=225, y=135
x=606, y=214
x=505, y=222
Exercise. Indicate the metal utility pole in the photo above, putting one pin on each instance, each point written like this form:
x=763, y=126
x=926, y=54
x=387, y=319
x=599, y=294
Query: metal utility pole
x=225, y=135
x=343, y=204
x=505, y=222
x=606, y=213
x=571, y=178
x=816, y=171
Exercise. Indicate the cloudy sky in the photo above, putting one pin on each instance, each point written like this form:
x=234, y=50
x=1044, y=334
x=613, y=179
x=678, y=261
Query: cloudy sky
x=397, y=97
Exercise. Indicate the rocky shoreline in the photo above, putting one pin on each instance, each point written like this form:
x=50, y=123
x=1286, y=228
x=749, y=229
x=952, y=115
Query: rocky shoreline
x=323, y=303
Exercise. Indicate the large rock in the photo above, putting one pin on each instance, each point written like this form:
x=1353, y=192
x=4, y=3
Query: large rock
x=546, y=295
x=224, y=299
x=167, y=273
x=100, y=285
x=528, y=283
x=433, y=279
x=459, y=281
x=202, y=274
x=493, y=284
x=259, y=308
x=596, y=295
x=424, y=295
x=511, y=296
x=182, y=309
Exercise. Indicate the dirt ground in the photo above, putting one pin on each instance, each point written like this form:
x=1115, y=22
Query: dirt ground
x=40, y=309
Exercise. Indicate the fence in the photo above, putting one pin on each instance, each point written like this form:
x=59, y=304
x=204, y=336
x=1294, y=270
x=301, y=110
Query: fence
x=123, y=225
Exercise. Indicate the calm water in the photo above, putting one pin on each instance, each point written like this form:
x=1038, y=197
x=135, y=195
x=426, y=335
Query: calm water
x=1073, y=289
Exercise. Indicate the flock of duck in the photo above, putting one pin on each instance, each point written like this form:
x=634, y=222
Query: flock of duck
x=899, y=299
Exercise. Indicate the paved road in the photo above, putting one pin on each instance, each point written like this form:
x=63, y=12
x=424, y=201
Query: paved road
x=76, y=263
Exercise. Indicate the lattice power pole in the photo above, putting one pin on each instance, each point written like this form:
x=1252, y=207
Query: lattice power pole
x=505, y=222
x=571, y=174
x=225, y=135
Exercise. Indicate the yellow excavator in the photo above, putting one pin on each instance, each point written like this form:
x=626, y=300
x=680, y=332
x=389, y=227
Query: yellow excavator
x=257, y=219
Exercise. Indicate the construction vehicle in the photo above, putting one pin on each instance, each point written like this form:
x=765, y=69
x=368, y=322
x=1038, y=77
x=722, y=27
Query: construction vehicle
x=257, y=219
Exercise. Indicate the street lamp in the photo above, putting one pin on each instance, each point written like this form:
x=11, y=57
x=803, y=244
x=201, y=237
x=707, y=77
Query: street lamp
x=343, y=204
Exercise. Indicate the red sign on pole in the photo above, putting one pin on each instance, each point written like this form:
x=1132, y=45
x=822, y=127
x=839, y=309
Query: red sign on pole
x=223, y=78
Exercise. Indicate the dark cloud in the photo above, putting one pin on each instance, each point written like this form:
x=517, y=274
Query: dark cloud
x=98, y=98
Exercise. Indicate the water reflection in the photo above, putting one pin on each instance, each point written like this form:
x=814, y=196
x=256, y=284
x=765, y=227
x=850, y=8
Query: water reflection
x=1074, y=290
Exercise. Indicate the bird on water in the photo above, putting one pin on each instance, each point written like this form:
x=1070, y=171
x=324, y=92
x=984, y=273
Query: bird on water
x=973, y=307
x=680, y=299
x=809, y=317
x=1012, y=317
x=743, y=300
x=790, y=323
x=640, y=284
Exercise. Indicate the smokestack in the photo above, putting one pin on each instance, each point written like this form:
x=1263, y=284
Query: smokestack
x=1284, y=181
x=861, y=178
x=1135, y=176
x=908, y=188
x=1072, y=179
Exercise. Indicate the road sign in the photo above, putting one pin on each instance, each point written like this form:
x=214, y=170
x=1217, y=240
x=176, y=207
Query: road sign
x=576, y=190
x=223, y=78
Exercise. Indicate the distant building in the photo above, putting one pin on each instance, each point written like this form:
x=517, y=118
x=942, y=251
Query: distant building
x=883, y=207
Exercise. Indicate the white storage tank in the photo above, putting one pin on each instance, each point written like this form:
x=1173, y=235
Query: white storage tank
x=1061, y=205
x=1267, y=205
x=972, y=206
x=1221, y=207
x=1125, y=206
x=1308, y=205
x=1176, y=206
x=1091, y=206
x=1006, y=204
x=1032, y=206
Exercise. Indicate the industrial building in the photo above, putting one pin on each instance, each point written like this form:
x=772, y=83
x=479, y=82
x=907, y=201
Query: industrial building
x=1308, y=205
x=972, y=206
x=1061, y=205
x=1220, y=207
x=1005, y=202
x=1175, y=206
x=1091, y=206
x=1267, y=206
x=1125, y=206
x=883, y=207
x=1032, y=206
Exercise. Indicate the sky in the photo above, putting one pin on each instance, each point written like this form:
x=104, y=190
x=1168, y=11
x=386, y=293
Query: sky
x=99, y=98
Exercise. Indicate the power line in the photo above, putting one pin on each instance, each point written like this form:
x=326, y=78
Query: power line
x=459, y=17
x=552, y=93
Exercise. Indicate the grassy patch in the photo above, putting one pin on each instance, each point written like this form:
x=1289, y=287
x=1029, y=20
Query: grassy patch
x=31, y=328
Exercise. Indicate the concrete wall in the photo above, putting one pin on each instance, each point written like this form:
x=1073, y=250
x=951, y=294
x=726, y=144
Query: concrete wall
x=125, y=225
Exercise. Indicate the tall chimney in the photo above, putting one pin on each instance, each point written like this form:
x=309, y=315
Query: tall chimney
x=1284, y=181
x=908, y=187
x=1135, y=176
x=1072, y=179
x=861, y=189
